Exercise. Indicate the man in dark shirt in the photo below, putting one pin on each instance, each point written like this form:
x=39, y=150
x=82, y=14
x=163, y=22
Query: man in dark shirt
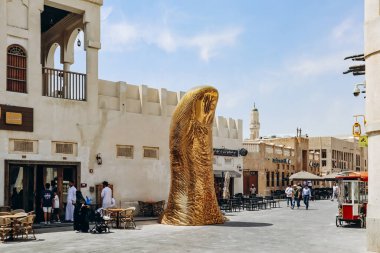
x=46, y=203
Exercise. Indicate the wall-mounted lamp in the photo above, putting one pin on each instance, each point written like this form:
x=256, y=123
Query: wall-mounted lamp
x=99, y=159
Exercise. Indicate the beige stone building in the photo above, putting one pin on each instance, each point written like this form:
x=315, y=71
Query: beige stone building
x=57, y=125
x=339, y=154
x=271, y=159
x=267, y=166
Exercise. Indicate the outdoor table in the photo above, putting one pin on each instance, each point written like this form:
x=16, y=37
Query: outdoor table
x=117, y=211
x=13, y=218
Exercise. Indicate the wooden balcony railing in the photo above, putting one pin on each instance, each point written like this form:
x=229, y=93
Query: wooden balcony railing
x=64, y=84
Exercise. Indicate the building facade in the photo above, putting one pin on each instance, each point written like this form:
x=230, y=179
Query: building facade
x=339, y=154
x=271, y=160
x=57, y=125
x=267, y=166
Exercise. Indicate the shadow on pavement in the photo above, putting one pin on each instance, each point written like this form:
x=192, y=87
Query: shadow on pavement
x=244, y=224
x=17, y=241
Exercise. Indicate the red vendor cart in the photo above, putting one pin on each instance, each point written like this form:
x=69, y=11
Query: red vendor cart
x=353, y=198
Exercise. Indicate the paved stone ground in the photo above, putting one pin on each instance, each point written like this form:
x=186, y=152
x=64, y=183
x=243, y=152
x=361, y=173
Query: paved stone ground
x=275, y=230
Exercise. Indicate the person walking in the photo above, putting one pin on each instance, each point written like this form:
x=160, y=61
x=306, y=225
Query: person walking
x=46, y=203
x=335, y=192
x=306, y=193
x=296, y=196
x=289, y=195
x=71, y=198
x=106, y=195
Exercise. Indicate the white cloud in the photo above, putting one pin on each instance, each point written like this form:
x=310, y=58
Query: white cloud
x=123, y=36
x=315, y=65
x=209, y=45
x=105, y=12
x=340, y=31
x=347, y=33
x=119, y=36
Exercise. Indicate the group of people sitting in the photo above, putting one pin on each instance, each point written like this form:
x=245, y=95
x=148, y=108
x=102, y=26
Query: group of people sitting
x=295, y=194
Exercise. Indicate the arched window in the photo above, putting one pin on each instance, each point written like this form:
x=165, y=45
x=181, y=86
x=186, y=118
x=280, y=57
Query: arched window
x=16, y=69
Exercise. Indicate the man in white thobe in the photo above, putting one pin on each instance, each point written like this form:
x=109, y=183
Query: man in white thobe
x=106, y=195
x=71, y=198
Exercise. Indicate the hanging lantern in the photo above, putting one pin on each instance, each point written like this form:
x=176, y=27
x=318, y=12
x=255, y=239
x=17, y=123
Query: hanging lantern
x=79, y=43
x=356, y=129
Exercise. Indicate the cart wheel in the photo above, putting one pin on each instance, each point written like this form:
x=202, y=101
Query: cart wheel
x=338, y=222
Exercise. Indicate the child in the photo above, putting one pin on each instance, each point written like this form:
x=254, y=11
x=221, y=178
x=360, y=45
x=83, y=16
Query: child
x=56, y=206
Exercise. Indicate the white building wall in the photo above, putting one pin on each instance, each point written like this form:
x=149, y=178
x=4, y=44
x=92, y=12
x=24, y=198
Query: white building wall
x=372, y=62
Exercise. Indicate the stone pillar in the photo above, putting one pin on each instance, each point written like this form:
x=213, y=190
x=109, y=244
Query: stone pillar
x=92, y=45
x=372, y=56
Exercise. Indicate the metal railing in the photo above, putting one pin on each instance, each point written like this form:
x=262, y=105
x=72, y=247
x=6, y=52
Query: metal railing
x=64, y=84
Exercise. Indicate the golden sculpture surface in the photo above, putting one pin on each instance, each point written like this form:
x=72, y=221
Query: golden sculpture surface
x=192, y=199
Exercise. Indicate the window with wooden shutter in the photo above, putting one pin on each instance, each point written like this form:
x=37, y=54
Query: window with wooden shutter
x=66, y=148
x=22, y=146
x=16, y=69
x=124, y=151
x=151, y=152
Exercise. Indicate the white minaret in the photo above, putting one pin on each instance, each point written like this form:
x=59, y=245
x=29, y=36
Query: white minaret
x=255, y=124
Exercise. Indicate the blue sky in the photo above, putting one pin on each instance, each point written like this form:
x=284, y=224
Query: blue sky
x=285, y=56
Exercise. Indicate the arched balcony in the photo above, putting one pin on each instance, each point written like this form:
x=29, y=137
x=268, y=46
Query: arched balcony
x=60, y=30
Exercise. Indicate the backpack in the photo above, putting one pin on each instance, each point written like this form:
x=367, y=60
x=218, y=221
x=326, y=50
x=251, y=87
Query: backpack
x=296, y=192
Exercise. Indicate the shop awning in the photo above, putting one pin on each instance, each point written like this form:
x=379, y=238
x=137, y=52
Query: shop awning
x=331, y=176
x=304, y=175
x=233, y=173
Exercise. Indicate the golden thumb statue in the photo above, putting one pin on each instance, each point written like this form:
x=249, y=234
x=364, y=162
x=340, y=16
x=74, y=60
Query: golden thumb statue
x=192, y=199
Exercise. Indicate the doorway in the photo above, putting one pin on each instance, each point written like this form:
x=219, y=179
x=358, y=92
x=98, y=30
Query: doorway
x=21, y=182
x=249, y=178
x=25, y=181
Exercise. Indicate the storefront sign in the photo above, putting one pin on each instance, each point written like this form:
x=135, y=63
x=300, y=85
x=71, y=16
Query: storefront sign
x=16, y=118
x=226, y=152
x=286, y=160
x=13, y=118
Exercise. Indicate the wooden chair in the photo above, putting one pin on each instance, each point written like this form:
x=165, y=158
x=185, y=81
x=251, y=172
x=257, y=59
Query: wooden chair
x=127, y=218
x=26, y=226
x=17, y=211
x=5, y=227
x=111, y=217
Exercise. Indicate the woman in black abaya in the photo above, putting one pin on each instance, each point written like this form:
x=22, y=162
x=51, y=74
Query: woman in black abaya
x=81, y=214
